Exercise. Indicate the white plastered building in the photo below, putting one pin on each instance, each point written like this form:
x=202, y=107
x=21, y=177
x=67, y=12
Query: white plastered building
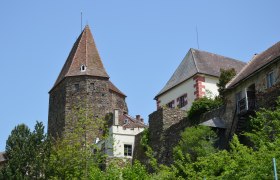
x=121, y=138
x=195, y=77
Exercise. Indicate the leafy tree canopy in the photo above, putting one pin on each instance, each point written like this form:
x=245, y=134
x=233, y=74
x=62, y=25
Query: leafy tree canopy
x=225, y=76
x=27, y=153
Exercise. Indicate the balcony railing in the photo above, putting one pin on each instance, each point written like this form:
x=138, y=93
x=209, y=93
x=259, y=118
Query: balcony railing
x=246, y=104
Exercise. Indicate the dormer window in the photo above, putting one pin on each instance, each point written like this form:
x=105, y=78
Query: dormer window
x=83, y=68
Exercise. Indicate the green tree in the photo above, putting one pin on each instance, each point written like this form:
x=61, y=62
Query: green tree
x=72, y=155
x=225, y=76
x=265, y=127
x=27, y=153
x=196, y=142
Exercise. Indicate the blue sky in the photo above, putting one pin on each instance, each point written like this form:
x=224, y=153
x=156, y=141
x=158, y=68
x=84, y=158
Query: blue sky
x=140, y=42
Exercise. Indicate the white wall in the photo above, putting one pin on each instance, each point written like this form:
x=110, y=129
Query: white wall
x=188, y=87
x=118, y=136
x=178, y=91
x=211, y=85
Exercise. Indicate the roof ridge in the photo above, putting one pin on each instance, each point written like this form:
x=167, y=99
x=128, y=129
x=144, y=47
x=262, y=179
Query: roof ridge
x=86, y=64
x=192, y=51
x=258, y=62
x=217, y=55
x=75, y=52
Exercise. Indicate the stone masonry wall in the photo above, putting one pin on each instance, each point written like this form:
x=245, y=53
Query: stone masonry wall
x=87, y=91
x=165, y=127
x=265, y=97
x=57, y=101
x=268, y=99
x=118, y=102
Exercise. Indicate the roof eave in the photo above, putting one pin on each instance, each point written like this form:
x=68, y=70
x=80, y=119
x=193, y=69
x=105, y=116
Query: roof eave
x=74, y=76
x=253, y=73
x=155, y=98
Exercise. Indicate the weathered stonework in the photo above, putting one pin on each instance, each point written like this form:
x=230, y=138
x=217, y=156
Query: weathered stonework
x=57, y=103
x=82, y=82
x=268, y=99
x=264, y=97
x=92, y=92
x=165, y=127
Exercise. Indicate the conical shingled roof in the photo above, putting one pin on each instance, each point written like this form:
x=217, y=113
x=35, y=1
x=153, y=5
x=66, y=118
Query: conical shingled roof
x=84, y=52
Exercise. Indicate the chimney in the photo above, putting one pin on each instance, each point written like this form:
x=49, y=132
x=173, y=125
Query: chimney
x=142, y=120
x=116, y=117
x=138, y=117
x=255, y=55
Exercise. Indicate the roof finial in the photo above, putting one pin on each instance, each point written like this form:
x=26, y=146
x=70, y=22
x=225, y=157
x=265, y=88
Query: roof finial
x=197, y=37
x=81, y=21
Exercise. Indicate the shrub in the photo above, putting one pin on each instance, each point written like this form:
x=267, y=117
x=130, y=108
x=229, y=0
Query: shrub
x=203, y=105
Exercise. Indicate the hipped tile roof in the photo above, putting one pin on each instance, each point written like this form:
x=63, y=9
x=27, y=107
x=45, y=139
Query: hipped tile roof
x=197, y=61
x=84, y=52
x=258, y=62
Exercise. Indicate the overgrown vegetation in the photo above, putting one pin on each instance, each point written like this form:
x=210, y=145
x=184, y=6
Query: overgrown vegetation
x=201, y=106
x=225, y=76
x=31, y=156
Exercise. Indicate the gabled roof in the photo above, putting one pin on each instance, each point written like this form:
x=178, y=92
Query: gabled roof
x=257, y=63
x=197, y=61
x=84, y=52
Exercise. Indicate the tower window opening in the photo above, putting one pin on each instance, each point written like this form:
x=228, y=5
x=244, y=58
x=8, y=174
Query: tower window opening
x=83, y=68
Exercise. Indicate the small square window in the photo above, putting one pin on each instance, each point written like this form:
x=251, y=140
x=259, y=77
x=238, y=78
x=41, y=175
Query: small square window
x=170, y=104
x=127, y=150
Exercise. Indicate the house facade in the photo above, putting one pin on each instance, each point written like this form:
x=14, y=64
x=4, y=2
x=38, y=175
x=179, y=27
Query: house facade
x=195, y=77
x=121, y=137
x=257, y=85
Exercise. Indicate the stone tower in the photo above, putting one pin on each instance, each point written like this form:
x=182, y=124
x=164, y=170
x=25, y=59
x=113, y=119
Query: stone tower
x=83, y=78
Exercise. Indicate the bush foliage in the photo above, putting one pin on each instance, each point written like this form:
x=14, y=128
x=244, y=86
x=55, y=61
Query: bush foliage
x=31, y=156
x=203, y=105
